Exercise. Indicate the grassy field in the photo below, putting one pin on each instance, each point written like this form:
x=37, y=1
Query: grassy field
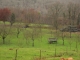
x=25, y=50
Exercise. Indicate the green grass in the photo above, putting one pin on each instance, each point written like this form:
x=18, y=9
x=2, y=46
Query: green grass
x=27, y=52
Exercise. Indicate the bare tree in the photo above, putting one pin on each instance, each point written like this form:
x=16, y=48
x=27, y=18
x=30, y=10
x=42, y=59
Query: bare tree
x=19, y=20
x=34, y=35
x=78, y=19
x=27, y=35
x=72, y=10
x=64, y=16
x=19, y=26
x=54, y=11
x=4, y=32
x=75, y=11
x=69, y=6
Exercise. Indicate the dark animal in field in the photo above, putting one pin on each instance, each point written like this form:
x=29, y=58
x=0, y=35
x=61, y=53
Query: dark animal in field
x=26, y=26
x=11, y=49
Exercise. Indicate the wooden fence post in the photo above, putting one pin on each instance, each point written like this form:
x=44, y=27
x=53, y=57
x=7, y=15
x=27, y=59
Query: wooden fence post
x=55, y=52
x=16, y=55
x=40, y=54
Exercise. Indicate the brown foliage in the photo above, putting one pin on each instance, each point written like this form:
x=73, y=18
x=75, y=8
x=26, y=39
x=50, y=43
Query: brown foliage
x=32, y=15
x=4, y=14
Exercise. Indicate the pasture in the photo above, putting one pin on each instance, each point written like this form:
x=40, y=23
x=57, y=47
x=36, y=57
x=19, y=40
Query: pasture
x=41, y=50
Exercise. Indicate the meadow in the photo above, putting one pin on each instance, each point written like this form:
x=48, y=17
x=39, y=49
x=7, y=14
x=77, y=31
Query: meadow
x=42, y=50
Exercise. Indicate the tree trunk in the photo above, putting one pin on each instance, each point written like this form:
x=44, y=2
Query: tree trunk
x=32, y=40
x=70, y=34
x=63, y=38
x=70, y=42
x=18, y=33
x=3, y=39
x=16, y=55
x=33, y=43
x=76, y=46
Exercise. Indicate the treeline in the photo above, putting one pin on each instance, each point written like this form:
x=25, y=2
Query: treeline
x=28, y=15
x=57, y=14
